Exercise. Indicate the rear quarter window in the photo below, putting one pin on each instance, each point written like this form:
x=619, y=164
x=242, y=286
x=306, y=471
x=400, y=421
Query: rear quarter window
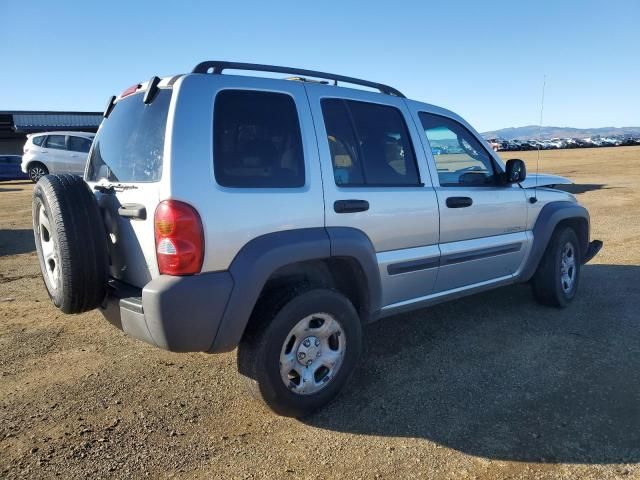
x=38, y=140
x=257, y=141
x=129, y=146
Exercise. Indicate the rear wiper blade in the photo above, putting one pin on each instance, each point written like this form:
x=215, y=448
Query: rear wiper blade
x=113, y=187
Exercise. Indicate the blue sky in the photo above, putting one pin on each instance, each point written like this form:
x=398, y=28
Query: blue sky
x=484, y=60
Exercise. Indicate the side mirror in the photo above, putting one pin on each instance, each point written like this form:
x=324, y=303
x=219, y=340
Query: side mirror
x=516, y=171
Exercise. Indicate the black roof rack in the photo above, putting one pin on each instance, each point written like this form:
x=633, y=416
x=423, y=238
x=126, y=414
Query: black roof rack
x=218, y=66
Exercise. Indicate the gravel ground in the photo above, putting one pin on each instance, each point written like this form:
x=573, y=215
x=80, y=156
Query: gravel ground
x=489, y=387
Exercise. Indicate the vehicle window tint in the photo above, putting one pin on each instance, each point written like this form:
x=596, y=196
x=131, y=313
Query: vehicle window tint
x=257, y=141
x=10, y=159
x=79, y=144
x=347, y=169
x=56, y=142
x=38, y=140
x=129, y=146
x=460, y=158
x=369, y=144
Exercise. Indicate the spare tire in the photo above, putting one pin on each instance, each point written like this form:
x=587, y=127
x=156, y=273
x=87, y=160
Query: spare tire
x=71, y=243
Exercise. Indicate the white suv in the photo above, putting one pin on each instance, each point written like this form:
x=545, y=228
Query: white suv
x=278, y=216
x=56, y=152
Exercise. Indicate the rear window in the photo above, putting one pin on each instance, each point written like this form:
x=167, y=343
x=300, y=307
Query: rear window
x=369, y=144
x=79, y=144
x=129, y=146
x=56, y=142
x=10, y=160
x=257, y=142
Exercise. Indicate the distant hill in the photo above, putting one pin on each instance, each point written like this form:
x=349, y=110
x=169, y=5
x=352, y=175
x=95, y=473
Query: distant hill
x=533, y=131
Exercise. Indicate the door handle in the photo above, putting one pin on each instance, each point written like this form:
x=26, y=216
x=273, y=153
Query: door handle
x=133, y=210
x=459, y=202
x=350, y=206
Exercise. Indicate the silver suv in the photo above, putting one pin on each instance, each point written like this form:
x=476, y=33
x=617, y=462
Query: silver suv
x=280, y=215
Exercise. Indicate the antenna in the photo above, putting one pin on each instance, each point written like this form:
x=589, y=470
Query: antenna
x=534, y=199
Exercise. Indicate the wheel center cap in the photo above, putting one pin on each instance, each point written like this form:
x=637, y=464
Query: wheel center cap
x=308, y=350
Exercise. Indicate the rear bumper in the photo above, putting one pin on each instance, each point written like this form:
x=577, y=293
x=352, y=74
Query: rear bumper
x=181, y=314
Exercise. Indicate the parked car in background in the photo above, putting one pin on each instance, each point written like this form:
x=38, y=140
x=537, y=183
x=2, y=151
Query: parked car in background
x=10, y=168
x=56, y=152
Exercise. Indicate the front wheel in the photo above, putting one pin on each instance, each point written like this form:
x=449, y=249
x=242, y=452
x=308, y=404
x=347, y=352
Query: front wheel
x=555, y=283
x=300, y=350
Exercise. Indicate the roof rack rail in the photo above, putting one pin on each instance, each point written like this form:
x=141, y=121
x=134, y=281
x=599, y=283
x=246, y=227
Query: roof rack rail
x=217, y=67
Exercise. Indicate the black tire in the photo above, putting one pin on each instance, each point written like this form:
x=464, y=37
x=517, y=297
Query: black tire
x=548, y=286
x=36, y=171
x=79, y=243
x=260, y=349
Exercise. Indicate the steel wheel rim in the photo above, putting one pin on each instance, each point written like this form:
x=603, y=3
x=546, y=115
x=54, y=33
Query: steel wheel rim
x=568, y=271
x=312, y=354
x=35, y=173
x=49, y=249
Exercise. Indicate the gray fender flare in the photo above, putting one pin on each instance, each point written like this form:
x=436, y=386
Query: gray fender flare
x=259, y=258
x=548, y=219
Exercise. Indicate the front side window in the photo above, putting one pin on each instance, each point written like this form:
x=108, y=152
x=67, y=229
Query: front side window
x=460, y=158
x=79, y=144
x=55, y=142
x=257, y=140
x=369, y=144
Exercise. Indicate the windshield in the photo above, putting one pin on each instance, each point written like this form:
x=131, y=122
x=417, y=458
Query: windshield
x=129, y=145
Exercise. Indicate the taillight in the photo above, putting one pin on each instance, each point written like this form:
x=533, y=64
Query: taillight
x=179, y=238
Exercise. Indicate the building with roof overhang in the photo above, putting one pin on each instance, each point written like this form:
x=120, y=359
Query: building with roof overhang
x=16, y=125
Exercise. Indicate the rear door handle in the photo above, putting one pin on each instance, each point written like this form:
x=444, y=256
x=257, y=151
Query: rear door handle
x=133, y=210
x=459, y=202
x=350, y=206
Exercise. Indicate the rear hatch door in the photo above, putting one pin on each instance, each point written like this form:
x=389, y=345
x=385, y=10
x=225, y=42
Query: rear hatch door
x=125, y=169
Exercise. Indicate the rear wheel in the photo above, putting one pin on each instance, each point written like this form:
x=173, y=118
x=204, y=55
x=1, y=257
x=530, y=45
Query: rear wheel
x=36, y=171
x=300, y=350
x=70, y=242
x=555, y=283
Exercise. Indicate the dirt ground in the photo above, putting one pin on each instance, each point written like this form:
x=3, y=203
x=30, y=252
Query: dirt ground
x=489, y=387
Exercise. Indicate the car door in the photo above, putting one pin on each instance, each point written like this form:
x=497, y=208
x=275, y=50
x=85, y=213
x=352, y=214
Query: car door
x=6, y=168
x=376, y=181
x=483, y=235
x=77, y=151
x=54, y=153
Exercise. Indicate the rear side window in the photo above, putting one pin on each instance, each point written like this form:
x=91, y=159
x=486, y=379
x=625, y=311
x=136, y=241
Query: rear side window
x=369, y=144
x=129, y=146
x=79, y=144
x=257, y=141
x=56, y=142
x=38, y=140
